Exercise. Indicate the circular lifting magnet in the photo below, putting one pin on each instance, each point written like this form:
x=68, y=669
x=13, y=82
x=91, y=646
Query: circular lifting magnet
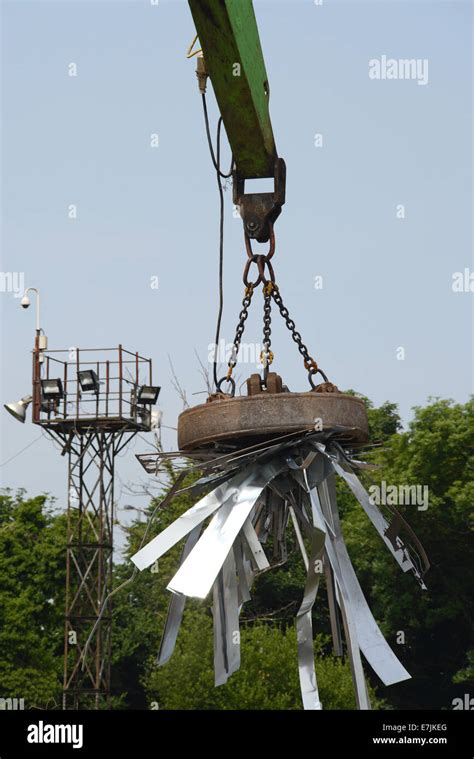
x=257, y=418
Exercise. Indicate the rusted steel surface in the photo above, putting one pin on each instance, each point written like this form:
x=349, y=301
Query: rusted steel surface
x=274, y=384
x=266, y=415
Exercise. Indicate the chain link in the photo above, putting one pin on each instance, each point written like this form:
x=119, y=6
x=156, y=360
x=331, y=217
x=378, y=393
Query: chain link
x=270, y=290
x=247, y=299
x=309, y=362
x=249, y=290
x=266, y=356
x=260, y=260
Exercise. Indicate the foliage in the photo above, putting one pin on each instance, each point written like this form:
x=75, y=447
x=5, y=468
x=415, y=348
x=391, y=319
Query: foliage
x=437, y=451
x=139, y=611
x=429, y=630
x=32, y=575
x=267, y=679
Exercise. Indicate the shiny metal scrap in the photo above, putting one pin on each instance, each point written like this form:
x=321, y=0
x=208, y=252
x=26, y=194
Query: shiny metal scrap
x=266, y=489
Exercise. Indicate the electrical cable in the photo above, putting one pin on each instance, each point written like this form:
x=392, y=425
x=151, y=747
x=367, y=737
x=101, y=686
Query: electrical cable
x=23, y=449
x=209, y=141
x=216, y=157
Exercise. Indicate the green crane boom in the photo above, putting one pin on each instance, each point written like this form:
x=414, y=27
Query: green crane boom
x=233, y=59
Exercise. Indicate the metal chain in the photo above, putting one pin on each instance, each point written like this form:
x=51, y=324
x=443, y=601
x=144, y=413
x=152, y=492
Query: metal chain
x=260, y=260
x=270, y=290
x=238, y=337
x=309, y=362
x=266, y=356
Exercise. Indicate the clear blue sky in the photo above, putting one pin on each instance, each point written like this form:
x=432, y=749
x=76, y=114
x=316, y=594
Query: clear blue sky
x=146, y=212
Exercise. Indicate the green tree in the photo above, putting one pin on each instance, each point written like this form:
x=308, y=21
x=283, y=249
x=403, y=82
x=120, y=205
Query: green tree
x=139, y=610
x=267, y=679
x=32, y=569
x=436, y=451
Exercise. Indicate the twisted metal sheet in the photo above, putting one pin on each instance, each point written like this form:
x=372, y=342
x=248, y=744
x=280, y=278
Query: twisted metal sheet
x=260, y=492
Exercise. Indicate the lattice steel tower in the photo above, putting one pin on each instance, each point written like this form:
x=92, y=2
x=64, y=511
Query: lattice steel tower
x=93, y=402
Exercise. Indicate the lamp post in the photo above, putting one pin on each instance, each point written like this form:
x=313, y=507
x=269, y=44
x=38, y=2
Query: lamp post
x=41, y=344
x=26, y=302
x=18, y=410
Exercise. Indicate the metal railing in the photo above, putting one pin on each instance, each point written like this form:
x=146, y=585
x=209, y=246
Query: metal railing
x=119, y=372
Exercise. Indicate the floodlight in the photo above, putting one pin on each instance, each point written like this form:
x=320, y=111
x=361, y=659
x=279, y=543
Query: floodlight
x=148, y=394
x=52, y=389
x=18, y=410
x=88, y=381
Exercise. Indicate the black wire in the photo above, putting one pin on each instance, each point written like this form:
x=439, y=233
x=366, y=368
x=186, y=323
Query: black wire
x=221, y=259
x=219, y=175
x=209, y=141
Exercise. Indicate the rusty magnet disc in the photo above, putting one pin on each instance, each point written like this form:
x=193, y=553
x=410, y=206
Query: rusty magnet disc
x=262, y=416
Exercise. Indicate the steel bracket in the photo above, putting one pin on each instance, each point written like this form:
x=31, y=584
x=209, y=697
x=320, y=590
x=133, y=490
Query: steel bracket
x=260, y=210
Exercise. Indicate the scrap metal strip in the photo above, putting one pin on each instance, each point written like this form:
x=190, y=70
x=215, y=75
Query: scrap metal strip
x=221, y=496
x=244, y=571
x=226, y=622
x=372, y=643
x=176, y=607
x=399, y=553
x=332, y=604
x=299, y=538
x=371, y=640
x=251, y=539
x=350, y=627
x=304, y=625
x=197, y=574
